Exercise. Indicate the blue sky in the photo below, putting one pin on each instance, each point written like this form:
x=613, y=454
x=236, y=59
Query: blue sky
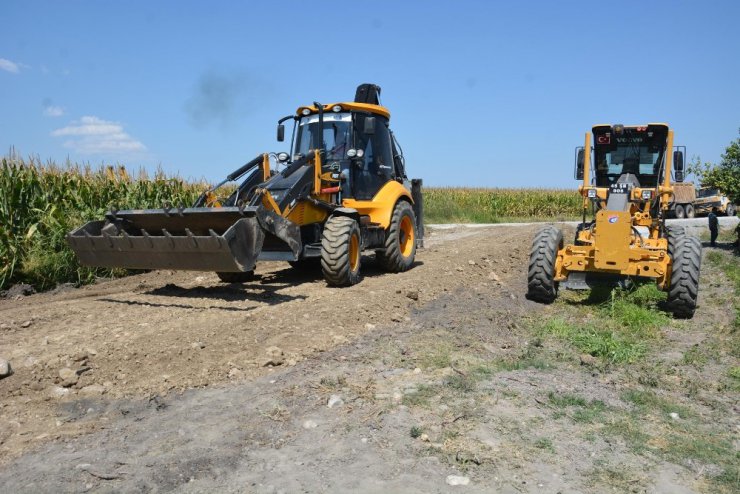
x=482, y=93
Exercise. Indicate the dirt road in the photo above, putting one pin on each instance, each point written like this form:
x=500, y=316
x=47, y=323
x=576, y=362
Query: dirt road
x=173, y=380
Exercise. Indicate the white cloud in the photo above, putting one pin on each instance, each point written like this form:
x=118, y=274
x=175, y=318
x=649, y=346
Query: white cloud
x=9, y=66
x=53, y=111
x=93, y=135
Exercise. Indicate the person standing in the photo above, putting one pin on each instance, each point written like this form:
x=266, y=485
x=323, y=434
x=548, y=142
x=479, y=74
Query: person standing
x=713, y=226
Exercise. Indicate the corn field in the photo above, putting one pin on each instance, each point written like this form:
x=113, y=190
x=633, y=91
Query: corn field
x=40, y=203
x=478, y=205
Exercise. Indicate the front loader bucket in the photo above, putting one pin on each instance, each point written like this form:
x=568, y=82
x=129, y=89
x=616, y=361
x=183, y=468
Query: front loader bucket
x=226, y=239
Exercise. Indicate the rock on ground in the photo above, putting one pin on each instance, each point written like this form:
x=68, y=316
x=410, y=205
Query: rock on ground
x=5, y=368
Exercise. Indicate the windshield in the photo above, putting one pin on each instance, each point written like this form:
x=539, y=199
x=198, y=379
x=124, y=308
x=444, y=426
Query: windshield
x=637, y=152
x=707, y=192
x=336, y=138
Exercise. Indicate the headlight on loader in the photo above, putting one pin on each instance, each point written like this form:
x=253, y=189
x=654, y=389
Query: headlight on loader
x=591, y=193
x=647, y=195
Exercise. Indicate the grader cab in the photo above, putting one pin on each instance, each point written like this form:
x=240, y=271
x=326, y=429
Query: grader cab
x=627, y=186
x=342, y=190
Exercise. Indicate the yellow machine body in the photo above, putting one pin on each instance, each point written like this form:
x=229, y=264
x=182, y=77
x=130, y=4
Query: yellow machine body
x=626, y=243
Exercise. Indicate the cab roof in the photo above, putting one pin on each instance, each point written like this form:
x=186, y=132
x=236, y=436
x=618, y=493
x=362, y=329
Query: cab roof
x=653, y=124
x=365, y=107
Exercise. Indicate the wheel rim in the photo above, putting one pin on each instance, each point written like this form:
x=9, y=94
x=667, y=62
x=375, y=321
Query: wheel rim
x=354, y=252
x=406, y=236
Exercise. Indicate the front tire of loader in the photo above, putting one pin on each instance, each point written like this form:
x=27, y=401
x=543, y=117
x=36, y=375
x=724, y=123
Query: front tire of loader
x=684, y=288
x=400, y=240
x=341, y=251
x=235, y=277
x=541, y=284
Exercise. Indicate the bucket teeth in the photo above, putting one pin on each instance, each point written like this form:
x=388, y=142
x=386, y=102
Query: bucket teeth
x=127, y=237
x=228, y=239
x=146, y=236
x=192, y=237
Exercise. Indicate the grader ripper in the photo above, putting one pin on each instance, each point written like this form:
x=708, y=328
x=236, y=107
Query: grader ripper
x=630, y=194
x=343, y=190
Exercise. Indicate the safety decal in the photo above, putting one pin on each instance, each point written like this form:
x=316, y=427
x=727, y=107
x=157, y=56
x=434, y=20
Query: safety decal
x=613, y=219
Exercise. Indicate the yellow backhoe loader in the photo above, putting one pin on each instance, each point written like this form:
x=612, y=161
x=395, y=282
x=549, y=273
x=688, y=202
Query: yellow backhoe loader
x=627, y=185
x=342, y=190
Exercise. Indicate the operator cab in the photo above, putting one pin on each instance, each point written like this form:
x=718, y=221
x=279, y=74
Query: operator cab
x=629, y=154
x=356, y=140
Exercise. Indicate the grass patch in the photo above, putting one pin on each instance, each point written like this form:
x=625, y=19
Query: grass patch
x=628, y=320
x=694, y=356
x=648, y=401
x=734, y=373
x=463, y=383
x=424, y=393
x=608, y=343
x=618, y=478
x=586, y=411
x=566, y=400
x=523, y=363
x=687, y=441
x=544, y=443
x=729, y=265
x=437, y=357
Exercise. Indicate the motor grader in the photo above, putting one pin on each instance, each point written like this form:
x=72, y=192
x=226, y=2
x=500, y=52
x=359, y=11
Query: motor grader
x=342, y=190
x=627, y=187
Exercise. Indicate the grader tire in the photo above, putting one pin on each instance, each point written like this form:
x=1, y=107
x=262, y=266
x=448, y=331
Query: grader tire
x=684, y=288
x=674, y=234
x=341, y=251
x=541, y=284
x=400, y=240
x=236, y=277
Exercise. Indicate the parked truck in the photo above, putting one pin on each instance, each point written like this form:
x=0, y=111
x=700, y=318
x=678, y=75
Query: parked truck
x=688, y=201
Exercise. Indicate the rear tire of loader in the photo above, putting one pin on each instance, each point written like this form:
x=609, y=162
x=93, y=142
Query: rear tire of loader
x=684, y=289
x=679, y=211
x=236, y=277
x=541, y=284
x=400, y=240
x=690, y=213
x=341, y=251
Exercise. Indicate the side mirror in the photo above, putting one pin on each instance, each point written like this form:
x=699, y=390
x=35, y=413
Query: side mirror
x=579, y=163
x=369, y=127
x=281, y=133
x=678, y=165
